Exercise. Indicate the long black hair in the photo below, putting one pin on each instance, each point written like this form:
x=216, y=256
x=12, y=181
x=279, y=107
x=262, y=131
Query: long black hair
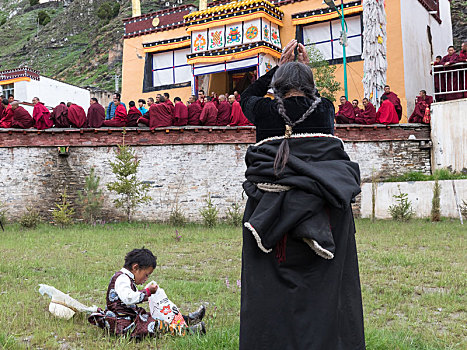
x=289, y=77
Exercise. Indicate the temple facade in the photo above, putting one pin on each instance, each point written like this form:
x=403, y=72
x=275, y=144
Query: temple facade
x=226, y=46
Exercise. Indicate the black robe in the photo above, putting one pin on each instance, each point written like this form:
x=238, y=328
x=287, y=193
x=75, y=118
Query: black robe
x=292, y=296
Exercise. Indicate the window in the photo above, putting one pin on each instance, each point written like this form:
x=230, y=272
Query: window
x=170, y=68
x=325, y=37
x=8, y=89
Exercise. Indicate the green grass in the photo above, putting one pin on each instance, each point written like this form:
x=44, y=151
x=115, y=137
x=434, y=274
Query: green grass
x=440, y=174
x=413, y=282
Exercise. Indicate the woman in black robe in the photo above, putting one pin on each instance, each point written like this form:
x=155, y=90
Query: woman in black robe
x=300, y=279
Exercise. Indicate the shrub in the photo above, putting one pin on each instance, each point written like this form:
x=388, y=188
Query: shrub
x=43, y=18
x=234, y=215
x=63, y=214
x=323, y=73
x=30, y=219
x=402, y=211
x=108, y=10
x=177, y=218
x=209, y=213
x=130, y=190
x=3, y=213
x=2, y=21
x=91, y=198
x=435, y=203
x=33, y=2
x=464, y=209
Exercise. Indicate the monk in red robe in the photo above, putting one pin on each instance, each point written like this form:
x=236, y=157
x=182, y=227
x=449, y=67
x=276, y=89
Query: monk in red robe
x=421, y=113
x=450, y=79
x=436, y=62
x=121, y=118
x=346, y=113
x=21, y=118
x=209, y=114
x=96, y=114
x=7, y=115
x=194, y=111
x=237, y=118
x=133, y=114
x=215, y=99
x=394, y=99
x=368, y=115
x=463, y=58
x=180, y=113
x=41, y=115
x=159, y=115
x=237, y=96
x=201, y=98
x=387, y=112
x=224, y=111
x=169, y=103
x=76, y=115
x=356, y=109
x=59, y=116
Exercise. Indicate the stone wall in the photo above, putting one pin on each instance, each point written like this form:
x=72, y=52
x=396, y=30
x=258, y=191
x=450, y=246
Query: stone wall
x=182, y=166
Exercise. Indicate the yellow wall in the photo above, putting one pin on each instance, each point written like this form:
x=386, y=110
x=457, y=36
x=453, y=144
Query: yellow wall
x=133, y=67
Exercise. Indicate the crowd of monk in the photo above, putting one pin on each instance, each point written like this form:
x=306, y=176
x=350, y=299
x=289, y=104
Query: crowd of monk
x=222, y=110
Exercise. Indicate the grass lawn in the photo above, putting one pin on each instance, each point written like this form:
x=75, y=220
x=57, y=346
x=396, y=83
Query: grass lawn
x=413, y=282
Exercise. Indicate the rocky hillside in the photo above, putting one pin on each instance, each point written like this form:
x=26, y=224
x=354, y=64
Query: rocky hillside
x=80, y=48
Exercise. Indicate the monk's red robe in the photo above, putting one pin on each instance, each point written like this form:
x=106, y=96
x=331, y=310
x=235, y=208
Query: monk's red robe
x=7, y=117
x=159, y=116
x=224, y=111
x=96, y=116
x=421, y=109
x=216, y=101
x=201, y=103
x=76, y=116
x=387, y=113
x=237, y=118
x=394, y=99
x=357, y=112
x=22, y=119
x=463, y=83
x=171, y=106
x=180, y=114
x=41, y=116
x=209, y=114
x=238, y=98
x=1, y=109
x=367, y=116
x=120, y=119
x=194, y=112
x=133, y=115
x=346, y=114
x=449, y=81
x=59, y=116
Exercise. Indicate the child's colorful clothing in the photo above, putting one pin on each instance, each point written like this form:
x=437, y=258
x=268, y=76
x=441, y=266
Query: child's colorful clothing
x=123, y=317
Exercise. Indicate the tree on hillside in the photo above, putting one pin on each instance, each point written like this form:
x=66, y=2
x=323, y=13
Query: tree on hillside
x=33, y=2
x=43, y=18
x=323, y=74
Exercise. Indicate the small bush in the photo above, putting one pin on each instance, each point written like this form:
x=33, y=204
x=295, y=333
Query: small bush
x=30, y=219
x=108, y=10
x=209, y=213
x=2, y=21
x=439, y=174
x=63, y=214
x=435, y=203
x=3, y=213
x=91, y=198
x=177, y=218
x=464, y=209
x=33, y=2
x=43, y=18
x=402, y=211
x=234, y=215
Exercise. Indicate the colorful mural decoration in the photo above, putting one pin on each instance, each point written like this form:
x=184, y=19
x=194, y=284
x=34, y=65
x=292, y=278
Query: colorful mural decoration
x=268, y=66
x=216, y=39
x=275, y=39
x=199, y=43
x=266, y=33
x=234, y=36
x=251, y=32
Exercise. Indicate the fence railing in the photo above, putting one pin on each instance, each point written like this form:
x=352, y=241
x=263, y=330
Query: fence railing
x=450, y=82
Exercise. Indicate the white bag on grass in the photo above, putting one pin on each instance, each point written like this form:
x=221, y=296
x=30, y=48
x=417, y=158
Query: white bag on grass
x=163, y=309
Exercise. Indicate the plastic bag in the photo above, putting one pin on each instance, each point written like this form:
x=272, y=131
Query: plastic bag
x=163, y=309
x=62, y=305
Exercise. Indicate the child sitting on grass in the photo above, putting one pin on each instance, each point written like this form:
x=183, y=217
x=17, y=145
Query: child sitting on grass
x=122, y=315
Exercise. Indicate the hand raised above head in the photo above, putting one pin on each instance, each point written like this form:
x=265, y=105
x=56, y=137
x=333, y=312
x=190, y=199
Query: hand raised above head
x=303, y=55
x=288, y=52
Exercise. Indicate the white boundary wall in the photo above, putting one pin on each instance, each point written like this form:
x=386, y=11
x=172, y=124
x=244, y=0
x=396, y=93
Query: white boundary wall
x=420, y=193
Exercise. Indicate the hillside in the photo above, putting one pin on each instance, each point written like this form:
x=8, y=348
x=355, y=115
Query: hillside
x=78, y=47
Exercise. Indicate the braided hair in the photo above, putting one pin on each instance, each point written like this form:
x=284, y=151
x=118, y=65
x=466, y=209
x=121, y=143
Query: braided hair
x=292, y=76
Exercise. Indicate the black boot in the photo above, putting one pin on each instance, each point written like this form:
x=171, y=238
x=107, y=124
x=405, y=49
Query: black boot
x=195, y=317
x=199, y=328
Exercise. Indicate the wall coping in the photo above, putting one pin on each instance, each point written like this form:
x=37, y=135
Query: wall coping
x=193, y=135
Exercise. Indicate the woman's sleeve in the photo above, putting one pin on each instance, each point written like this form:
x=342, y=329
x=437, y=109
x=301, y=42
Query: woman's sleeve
x=253, y=100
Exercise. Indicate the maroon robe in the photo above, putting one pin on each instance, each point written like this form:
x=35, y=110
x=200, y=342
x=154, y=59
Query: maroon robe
x=59, y=116
x=120, y=119
x=209, y=114
x=367, y=116
x=346, y=114
x=171, y=106
x=133, y=115
x=22, y=119
x=194, y=112
x=237, y=118
x=463, y=78
x=96, y=115
x=216, y=101
x=387, y=113
x=420, y=109
x=394, y=99
x=449, y=81
x=180, y=114
x=238, y=98
x=358, y=112
x=159, y=116
x=76, y=116
x=41, y=116
x=223, y=113
x=7, y=117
